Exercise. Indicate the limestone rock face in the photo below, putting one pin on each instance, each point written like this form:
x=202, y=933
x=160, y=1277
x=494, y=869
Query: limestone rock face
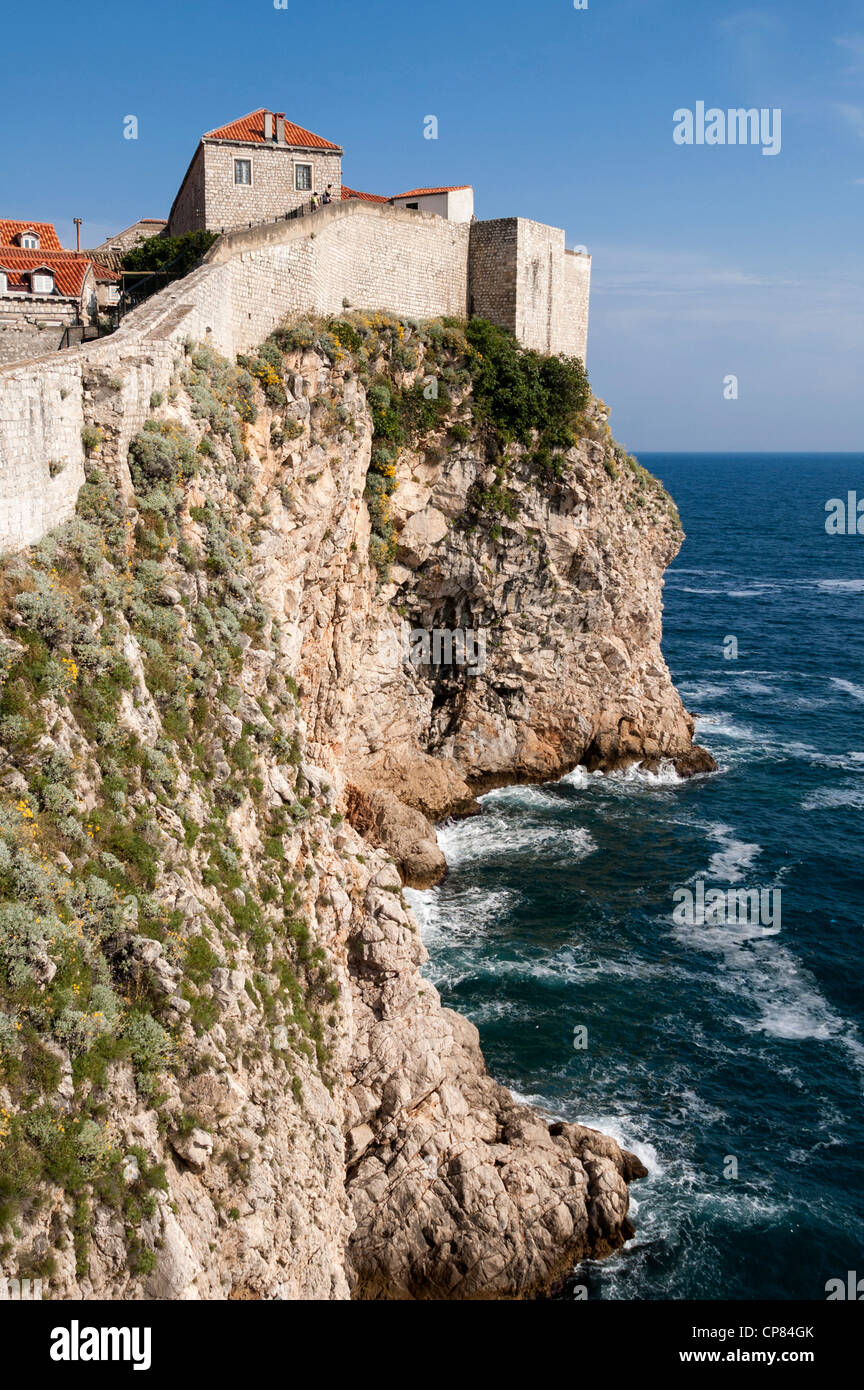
x=326, y=1128
x=458, y=1191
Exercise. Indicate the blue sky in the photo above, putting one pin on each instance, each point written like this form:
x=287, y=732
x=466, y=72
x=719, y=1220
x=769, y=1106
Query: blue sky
x=708, y=261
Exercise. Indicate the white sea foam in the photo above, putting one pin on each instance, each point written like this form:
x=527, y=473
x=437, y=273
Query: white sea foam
x=521, y=796
x=829, y=798
x=851, y=586
x=723, y=724
x=752, y=687
x=580, y=777
x=702, y=690
x=759, y=969
x=461, y=917
x=728, y=863
x=843, y=762
x=665, y=775
x=494, y=837
x=685, y=569
x=690, y=589
x=849, y=687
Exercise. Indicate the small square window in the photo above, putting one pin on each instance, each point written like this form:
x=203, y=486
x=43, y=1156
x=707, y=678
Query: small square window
x=302, y=177
x=243, y=171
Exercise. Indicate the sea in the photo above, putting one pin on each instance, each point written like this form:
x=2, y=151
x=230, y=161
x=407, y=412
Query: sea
x=729, y=1056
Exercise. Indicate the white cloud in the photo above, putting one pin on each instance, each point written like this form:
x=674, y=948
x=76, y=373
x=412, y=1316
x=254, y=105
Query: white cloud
x=853, y=116
x=682, y=295
x=854, y=44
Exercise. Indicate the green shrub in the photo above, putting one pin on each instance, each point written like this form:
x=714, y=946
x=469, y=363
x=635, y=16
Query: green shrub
x=147, y=1041
x=161, y=452
x=179, y=253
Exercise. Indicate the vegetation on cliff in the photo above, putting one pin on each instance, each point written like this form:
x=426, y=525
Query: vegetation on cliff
x=161, y=833
x=125, y=761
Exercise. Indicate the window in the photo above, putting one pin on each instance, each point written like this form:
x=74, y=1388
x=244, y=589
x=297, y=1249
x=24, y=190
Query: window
x=415, y=207
x=3, y=282
x=42, y=282
x=243, y=171
x=29, y=240
x=303, y=177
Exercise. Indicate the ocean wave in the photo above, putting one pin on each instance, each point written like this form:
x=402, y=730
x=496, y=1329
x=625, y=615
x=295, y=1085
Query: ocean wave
x=579, y=777
x=755, y=966
x=490, y=838
x=666, y=775
x=521, y=796
x=689, y=569
x=851, y=586
x=724, y=725
x=635, y=775
x=749, y=686
x=831, y=798
x=689, y=589
x=843, y=762
x=849, y=688
x=728, y=863
x=459, y=916
x=701, y=690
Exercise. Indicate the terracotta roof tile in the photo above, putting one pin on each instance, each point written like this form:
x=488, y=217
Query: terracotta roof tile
x=251, y=128
x=45, y=231
x=364, y=197
x=420, y=192
x=69, y=269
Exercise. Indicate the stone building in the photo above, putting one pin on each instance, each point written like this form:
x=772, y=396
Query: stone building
x=131, y=237
x=252, y=170
x=455, y=202
x=46, y=293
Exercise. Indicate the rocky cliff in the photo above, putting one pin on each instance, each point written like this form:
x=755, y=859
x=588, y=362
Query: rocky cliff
x=224, y=741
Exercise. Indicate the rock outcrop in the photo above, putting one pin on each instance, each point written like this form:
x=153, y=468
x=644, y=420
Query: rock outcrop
x=222, y=1073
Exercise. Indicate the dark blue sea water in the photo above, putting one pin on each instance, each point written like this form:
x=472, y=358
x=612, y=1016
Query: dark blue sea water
x=704, y=1043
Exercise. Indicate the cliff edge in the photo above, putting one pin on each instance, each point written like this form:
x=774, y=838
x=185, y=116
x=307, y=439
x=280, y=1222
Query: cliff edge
x=226, y=732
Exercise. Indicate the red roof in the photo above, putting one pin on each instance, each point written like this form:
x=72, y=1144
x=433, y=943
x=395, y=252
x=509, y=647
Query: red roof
x=69, y=269
x=364, y=197
x=251, y=128
x=44, y=230
x=420, y=192
x=102, y=272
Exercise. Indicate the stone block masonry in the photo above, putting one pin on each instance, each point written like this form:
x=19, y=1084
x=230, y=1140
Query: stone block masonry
x=522, y=277
x=33, y=324
x=354, y=254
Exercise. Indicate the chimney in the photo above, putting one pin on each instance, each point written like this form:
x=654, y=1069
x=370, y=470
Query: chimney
x=268, y=125
x=280, y=130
